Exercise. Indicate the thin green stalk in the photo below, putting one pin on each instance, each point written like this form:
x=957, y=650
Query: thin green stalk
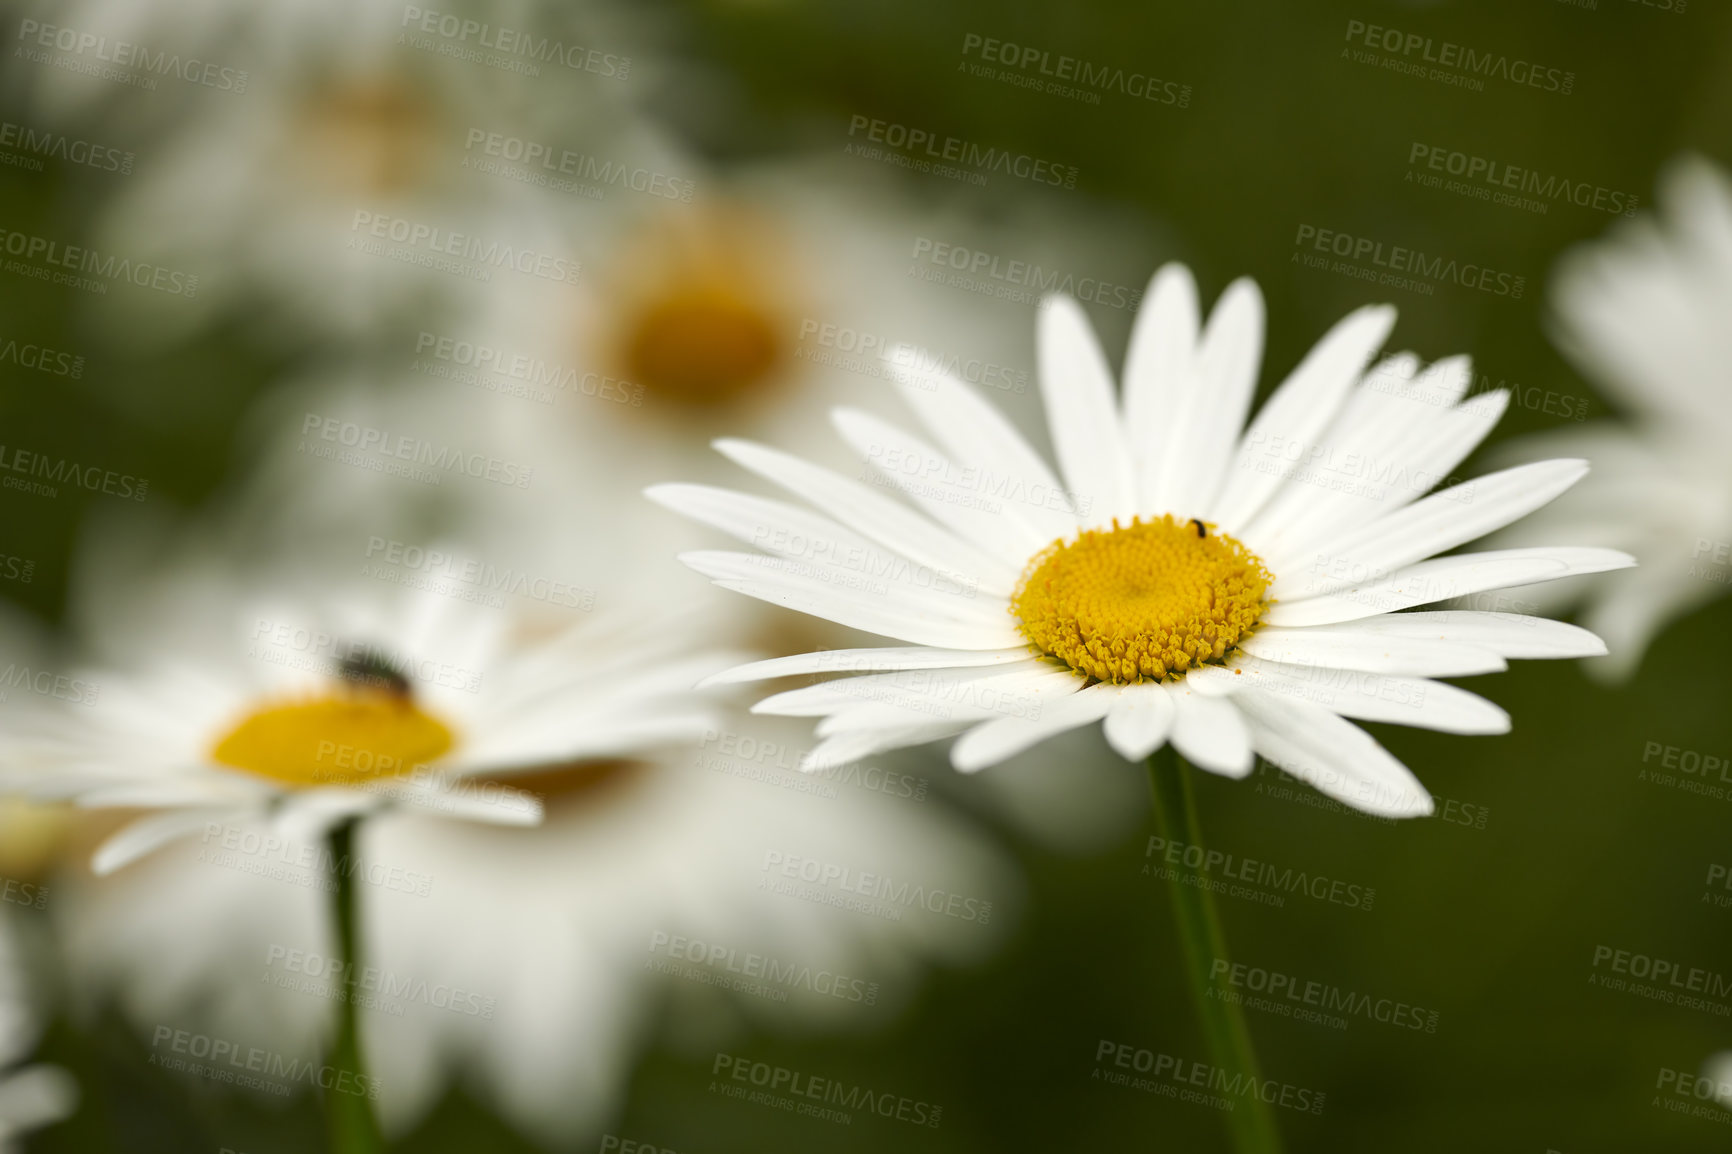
x=1249, y=1123
x=348, y=1102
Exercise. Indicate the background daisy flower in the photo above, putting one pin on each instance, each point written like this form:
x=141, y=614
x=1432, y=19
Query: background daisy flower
x=1642, y=314
x=219, y=695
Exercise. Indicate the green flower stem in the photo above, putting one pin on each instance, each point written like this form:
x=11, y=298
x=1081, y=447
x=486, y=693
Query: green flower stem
x=348, y=1106
x=1249, y=1123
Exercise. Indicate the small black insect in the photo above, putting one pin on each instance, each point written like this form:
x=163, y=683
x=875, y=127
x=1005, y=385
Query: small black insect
x=372, y=669
x=1202, y=529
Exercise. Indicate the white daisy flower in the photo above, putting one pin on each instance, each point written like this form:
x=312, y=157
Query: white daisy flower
x=1188, y=581
x=1642, y=314
x=657, y=822
x=219, y=698
x=343, y=187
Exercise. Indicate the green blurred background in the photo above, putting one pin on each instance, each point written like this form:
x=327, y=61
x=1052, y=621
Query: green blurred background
x=1493, y=927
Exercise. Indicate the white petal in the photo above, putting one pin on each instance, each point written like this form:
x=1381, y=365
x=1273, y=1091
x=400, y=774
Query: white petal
x=994, y=741
x=950, y=492
x=1081, y=412
x=34, y=1097
x=1401, y=700
x=1300, y=409
x=1348, y=647
x=1224, y=378
x=1209, y=732
x=874, y=614
x=940, y=602
x=1157, y=374
x=847, y=747
x=864, y=661
x=938, y=694
x=1382, y=468
x=1445, y=577
x=147, y=834
x=871, y=514
x=1506, y=634
x=1426, y=528
x=1139, y=721
x=1333, y=755
x=487, y=802
x=975, y=431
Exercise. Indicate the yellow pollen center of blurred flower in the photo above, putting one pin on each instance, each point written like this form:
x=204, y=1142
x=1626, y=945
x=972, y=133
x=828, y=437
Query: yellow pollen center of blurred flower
x=703, y=345
x=1141, y=602
x=341, y=739
x=371, y=135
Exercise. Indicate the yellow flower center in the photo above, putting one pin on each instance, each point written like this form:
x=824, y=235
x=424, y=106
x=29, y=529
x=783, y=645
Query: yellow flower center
x=368, y=135
x=1141, y=602
x=703, y=345
x=699, y=306
x=341, y=739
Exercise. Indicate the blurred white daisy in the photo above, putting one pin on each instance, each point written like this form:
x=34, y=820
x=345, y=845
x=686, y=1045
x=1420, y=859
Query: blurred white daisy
x=350, y=186
x=1642, y=314
x=218, y=697
x=30, y=1096
x=1188, y=580
x=530, y=959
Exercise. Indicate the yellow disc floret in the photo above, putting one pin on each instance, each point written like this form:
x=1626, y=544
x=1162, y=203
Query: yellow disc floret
x=346, y=738
x=1141, y=602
